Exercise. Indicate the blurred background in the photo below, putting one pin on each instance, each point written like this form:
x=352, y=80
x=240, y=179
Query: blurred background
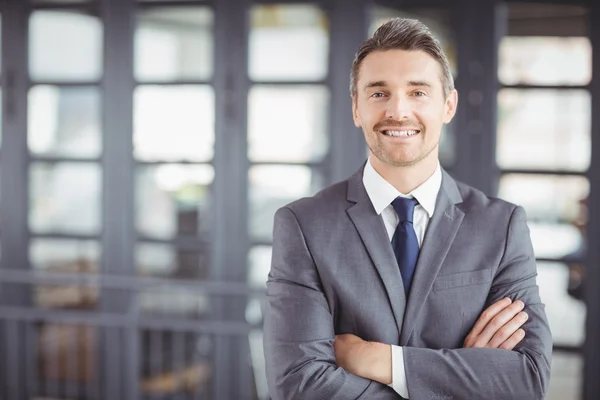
x=145, y=146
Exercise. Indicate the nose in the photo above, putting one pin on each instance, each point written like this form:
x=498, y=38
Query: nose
x=397, y=108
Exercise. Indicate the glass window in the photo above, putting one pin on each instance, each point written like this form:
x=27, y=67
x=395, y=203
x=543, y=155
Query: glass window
x=68, y=256
x=545, y=60
x=174, y=300
x=548, y=197
x=566, y=314
x=259, y=261
x=288, y=42
x=64, y=121
x=288, y=124
x=163, y=260
x=65, y=197
x=544, y=129
x=556, y=240
x=565, y=376
x=174, y=43
x=176, y=364
x=65, y=255
x=65, y=357
x=556, y=208
x=438, y=20
x=65, y=46
x=272, y=187
x=173, y=200
x=174, y=123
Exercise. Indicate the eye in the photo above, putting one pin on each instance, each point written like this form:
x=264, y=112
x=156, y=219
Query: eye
x=419, y=93
x=377, y=95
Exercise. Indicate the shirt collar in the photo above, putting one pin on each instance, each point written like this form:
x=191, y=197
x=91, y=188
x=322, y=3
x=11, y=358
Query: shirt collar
x=382, y=193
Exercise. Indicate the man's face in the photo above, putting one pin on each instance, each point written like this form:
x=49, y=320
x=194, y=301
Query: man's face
x=401, y=107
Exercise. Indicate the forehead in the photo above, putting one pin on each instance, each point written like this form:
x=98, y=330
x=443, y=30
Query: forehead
x=399, y=67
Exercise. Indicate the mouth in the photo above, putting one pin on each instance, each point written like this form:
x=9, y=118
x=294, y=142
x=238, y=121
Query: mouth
x=400, y=132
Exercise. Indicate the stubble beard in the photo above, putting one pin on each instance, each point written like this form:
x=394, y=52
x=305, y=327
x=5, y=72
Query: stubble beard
x=387, y=158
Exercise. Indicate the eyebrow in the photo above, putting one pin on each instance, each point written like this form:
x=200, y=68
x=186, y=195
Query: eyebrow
x=419, y=83
x=409, y=83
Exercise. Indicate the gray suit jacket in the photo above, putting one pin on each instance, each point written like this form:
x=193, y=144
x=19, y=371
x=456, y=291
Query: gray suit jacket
x=333, y=271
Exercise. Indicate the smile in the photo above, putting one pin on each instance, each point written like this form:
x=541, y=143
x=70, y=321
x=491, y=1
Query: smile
x=402, y=133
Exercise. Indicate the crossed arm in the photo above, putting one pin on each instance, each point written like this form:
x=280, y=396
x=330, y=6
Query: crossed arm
x=498, y=327
x=299, y=335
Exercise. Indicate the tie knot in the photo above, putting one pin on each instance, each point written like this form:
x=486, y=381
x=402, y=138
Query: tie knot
x=404, y=208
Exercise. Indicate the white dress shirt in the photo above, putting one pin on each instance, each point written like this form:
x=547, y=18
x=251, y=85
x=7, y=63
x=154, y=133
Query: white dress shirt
x=382, y=193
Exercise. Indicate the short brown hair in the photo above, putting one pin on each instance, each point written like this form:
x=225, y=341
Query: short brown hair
x=403, y=34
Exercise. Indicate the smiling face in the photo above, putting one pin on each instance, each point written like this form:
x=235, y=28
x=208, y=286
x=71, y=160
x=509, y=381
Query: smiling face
x=401, y=107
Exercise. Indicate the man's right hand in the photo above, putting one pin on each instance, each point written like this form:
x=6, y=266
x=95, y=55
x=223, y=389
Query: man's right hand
x=499, y=326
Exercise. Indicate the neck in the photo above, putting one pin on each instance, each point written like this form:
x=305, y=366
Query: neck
x=406, y=179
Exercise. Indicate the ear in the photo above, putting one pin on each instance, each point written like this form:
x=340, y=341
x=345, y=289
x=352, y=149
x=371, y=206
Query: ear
x=450, y=106
x=355, y=115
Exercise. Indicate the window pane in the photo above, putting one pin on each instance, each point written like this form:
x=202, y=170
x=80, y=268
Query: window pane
x=167, y=261
x=272, y=187
x=556, y=240
x=438, y=20
x=174, y=300
x=174, y=43
x=173, y=200
x=65, y=46
x=544, y=129
x=174, y=123
x=66, y=358
x=69, y=256
x=566, y=315
x=545, y=61
x=175, y=365
x=259, y=264
x=272, y=134
x=548, y=197
x=64, y=197
x=288, y=42
x=64, y=121
x=565, y=377
x=65, y=255
x=547, y=19
x=556, y=209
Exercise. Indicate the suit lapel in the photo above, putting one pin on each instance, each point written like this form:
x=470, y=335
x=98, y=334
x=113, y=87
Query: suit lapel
x=440, y=234
x=372, y=232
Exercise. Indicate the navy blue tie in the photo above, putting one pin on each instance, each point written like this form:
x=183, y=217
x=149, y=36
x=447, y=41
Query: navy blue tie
x=404, y=241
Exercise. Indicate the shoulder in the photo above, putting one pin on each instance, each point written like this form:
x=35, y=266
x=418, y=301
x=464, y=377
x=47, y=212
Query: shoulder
x=330, y=200
x=477, y=203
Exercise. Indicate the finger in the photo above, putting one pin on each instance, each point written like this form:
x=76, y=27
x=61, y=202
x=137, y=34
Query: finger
x=485, y=317
x=498, y=322
x=514, y=340
x=508, y=330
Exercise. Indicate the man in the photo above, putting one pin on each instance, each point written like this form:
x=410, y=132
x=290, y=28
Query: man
x=401, y=281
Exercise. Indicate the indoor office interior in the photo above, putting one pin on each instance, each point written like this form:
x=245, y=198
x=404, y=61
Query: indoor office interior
x=146, y=145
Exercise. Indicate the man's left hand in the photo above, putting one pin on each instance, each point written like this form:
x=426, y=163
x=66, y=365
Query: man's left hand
x=370, y=360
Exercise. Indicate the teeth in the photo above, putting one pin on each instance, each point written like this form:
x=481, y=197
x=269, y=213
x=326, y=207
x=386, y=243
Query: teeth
x=401, y=133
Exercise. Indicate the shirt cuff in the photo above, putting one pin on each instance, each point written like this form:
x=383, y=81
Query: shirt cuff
x=398, y=373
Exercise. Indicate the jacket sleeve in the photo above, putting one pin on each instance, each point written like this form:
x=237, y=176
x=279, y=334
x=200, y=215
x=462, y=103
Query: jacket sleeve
x=299, y=328
x=477, y=373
